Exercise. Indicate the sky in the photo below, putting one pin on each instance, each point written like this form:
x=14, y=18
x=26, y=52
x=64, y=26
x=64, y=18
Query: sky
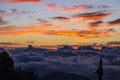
x=59, y=22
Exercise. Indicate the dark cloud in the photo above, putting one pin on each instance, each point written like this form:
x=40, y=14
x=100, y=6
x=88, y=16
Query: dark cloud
x=112, y=30
x=59, y=18
x=113, y=43
x=113, y=23
x=9, y=43
x=95, y=23
x=99, y=15
x=117, y=21
x=12, y=12
x=44, y=22
x=6, y=43
x=41, y=20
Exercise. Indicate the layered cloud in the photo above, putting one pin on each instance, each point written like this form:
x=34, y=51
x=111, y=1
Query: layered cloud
x=48, y=27
x=87, y=34
x=76, y=8
x=116, y=43
x=94, y=16
x=68, y=60
x=94, y=25
x=2, y=22
x=100, y=24
x=73, y=8
x=63, y=19
x=9, y=44
x=21, y=1
x=113, y=23
x=50, y=30
x=4, y=13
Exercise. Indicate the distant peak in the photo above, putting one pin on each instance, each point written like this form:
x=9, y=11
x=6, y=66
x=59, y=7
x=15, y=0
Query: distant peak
x=30, y=46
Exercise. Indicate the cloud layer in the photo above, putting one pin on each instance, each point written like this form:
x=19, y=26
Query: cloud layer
x=22, y=1
x=83, y=62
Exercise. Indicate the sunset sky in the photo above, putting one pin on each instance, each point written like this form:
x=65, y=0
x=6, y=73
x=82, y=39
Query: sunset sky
x=59, y=22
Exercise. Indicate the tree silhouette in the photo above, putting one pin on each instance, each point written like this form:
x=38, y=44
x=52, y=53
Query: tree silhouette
x=7, y=71
x=6, y=63
x=99, y=71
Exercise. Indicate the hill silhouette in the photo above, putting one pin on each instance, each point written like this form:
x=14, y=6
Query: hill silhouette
x=63, y=76
x=7, y=71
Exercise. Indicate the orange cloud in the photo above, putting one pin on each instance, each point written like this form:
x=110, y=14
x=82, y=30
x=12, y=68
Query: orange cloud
x=22, y=1
x=51, y=30
x=94, y=25
x=94, y=16
x=112, y=44
x=10, y=44
x=113, y=23
x=87, y=34
x=97, y=33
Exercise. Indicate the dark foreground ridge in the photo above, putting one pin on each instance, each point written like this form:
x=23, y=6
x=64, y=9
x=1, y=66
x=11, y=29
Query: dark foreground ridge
x=63, y=76
x=7, y=72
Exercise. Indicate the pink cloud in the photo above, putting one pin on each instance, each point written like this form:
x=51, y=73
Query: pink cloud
x=51, y=6
x=22, y=1
x=75, y=8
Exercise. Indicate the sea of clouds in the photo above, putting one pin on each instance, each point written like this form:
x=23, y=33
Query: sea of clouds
x=83, y=62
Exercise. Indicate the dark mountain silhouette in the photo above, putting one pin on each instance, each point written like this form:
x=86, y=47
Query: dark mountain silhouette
x=66, y=48
x=86, y=48
x=63, y=76
x=7, y=71
x=6, y=63
x=30, y=47
x=105, y=47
